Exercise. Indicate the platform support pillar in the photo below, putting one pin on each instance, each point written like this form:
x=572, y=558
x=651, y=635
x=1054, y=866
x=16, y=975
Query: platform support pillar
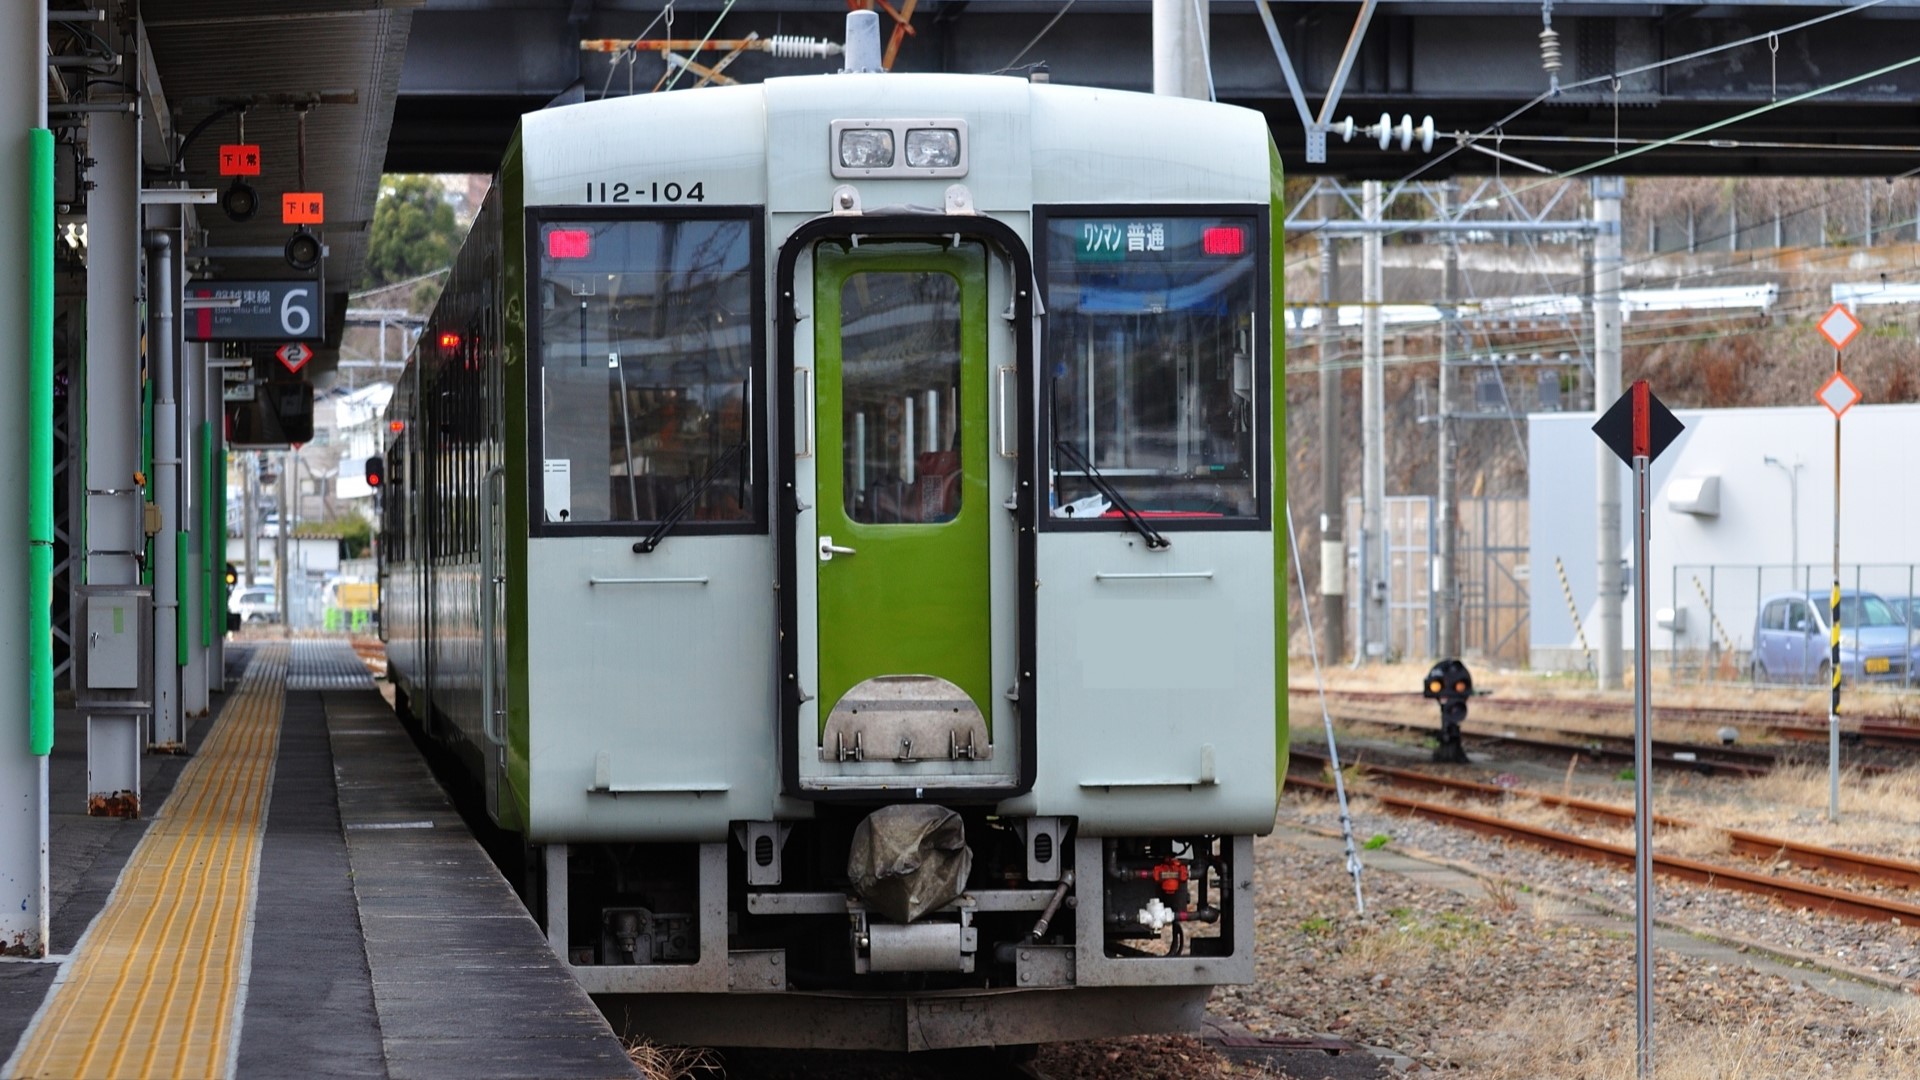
x=196, y=495
x=26, y=313
x=113, y=494
x=163, y=340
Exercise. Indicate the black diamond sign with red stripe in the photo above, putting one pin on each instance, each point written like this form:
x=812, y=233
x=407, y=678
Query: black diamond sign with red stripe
x=1638, y=425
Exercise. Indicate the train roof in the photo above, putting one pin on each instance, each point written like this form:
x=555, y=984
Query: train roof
x=768, y=144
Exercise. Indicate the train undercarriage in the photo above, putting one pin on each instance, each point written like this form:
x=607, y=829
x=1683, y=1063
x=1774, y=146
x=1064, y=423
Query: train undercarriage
x=1046, y=935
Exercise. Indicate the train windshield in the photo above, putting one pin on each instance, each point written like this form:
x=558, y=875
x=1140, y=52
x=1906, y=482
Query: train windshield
x=646, y=346
x=1149, y=383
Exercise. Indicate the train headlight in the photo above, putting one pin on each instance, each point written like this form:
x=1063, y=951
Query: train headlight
x=867, y=148
x=933, y=148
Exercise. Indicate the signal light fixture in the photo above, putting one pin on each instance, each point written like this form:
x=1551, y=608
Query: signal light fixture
x=303, y=250
x=239, y=201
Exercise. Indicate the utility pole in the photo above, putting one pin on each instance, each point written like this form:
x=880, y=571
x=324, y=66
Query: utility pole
x=1333, y=549
x=1180, y=49
x=1445, y=590
x=1609, y=588
x=1373, y=480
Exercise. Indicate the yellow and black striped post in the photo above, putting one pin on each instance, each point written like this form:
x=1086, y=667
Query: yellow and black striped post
x=1833, y=707
x=1573, y=611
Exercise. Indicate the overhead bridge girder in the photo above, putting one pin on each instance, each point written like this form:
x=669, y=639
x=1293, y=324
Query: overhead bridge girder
x=471, y=70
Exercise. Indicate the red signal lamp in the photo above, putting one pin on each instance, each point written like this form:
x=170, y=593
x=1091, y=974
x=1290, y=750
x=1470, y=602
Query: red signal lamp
x=449, y=341
x=396, y=426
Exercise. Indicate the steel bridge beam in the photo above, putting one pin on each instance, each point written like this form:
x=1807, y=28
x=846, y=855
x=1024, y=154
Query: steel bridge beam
x=473, y=66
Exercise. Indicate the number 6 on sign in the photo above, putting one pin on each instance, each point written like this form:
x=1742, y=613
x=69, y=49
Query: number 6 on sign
x=295, y=317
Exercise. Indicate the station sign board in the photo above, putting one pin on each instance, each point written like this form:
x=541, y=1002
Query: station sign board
x=265, y=311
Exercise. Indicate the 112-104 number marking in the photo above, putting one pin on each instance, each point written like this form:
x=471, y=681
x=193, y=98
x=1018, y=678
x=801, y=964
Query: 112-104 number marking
x=670, y=191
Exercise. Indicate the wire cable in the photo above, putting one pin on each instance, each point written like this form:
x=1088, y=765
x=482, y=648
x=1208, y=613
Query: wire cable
x=1354, y=866
x=1642, y=69
x=1017, y=57
x=682, y=70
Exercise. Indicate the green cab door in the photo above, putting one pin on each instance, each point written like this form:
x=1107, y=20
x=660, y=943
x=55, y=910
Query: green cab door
x=901, y=556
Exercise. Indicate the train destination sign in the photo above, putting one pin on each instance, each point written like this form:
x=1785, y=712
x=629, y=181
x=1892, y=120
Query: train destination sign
x=265, y=311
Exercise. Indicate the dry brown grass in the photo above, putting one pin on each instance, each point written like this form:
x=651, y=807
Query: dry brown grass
x=1594, y=1040
x=1406, y=938
x=1696, y=841
x=657, y=1062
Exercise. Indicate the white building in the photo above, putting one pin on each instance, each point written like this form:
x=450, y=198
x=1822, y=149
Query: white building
x=1724, y=523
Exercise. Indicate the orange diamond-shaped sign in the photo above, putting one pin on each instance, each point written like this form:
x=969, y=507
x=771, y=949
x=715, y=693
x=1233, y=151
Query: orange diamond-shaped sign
x=1839, y=394
x=1838, y=325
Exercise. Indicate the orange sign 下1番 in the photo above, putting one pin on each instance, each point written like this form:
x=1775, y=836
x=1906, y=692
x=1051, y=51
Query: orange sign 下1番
x=303, y=208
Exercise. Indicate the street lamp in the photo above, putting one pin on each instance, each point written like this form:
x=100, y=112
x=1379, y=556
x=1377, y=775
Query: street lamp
x=1793, y=500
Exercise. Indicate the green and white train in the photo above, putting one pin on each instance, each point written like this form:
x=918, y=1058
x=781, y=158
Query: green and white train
x=836, y=523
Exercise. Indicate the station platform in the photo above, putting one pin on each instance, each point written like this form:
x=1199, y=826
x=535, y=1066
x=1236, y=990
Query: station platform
x=299, y=898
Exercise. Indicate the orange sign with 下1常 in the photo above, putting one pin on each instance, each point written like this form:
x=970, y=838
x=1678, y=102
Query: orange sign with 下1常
x=240, y=159
x=303, y=208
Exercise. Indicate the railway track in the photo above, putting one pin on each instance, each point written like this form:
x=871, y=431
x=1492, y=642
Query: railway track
x=1879, y=731
x=1796, y=893
x=1690, y=757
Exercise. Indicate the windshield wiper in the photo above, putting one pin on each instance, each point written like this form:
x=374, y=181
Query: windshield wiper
x=685, y=506
x=1155, y=542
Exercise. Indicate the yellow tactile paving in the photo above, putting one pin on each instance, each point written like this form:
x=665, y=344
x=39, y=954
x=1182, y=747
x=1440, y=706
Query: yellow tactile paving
x=154, y=988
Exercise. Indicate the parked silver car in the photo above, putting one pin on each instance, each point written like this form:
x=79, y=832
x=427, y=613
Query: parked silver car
x=255, y=604
x=1792, y=642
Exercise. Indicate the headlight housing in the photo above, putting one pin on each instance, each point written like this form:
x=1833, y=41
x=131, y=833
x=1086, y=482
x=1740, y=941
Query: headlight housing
x=933, y=148
x=866, y=148
x=917, y=147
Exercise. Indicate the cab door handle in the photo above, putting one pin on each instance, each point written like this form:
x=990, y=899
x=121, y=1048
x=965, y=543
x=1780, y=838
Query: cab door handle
x=828, y=549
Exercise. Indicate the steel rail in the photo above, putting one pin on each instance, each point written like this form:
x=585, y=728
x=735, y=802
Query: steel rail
x=1874, y=730
x=1757, y=845
x=1688, y=756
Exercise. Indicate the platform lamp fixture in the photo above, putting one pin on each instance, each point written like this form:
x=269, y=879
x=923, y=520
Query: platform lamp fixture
x=303, y=247
x=239, y=202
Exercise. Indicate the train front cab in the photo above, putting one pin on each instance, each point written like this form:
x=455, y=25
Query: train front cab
x=1018, y=475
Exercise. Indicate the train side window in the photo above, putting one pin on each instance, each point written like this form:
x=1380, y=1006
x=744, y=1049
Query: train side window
x=647, y=343
x=1155, y=318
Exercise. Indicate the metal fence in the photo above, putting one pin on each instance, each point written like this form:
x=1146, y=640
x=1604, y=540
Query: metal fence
x=1710, y=625
x=1490, y=571
x=1409, y=575
x=1493, y=575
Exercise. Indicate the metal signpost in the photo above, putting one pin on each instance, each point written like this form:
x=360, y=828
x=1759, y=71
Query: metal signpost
x=1637, y=428
x=1838, y=394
